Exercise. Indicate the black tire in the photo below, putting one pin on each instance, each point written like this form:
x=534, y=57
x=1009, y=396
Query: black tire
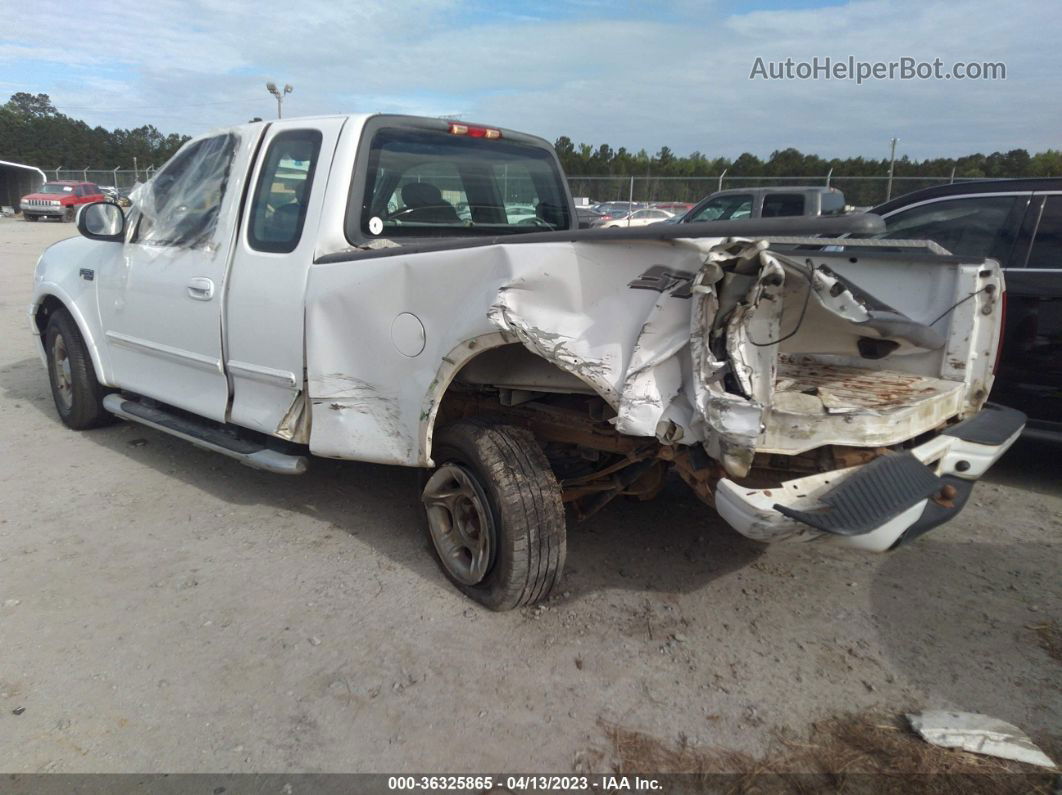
x=68, y=215
x=77, y=393
x=523, y=502
x=30, y=217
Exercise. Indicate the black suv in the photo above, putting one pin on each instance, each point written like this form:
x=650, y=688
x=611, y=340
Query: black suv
x=1019, y=223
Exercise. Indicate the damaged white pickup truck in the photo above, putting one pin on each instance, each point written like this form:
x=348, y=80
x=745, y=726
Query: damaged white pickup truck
x=378, y=288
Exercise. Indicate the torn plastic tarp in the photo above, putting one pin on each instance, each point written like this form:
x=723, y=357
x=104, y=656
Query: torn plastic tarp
x=179, y=206
x=980, y=734
x=704, y=369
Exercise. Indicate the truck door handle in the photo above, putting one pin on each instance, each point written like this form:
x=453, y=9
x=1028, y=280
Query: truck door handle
x=201, y=289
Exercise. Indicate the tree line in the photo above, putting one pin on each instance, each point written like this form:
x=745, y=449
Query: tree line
x=34, y=132
x=583, y=160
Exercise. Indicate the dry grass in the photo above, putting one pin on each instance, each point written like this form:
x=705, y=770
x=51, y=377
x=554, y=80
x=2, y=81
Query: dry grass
x=1050, y=637
x=854, y=753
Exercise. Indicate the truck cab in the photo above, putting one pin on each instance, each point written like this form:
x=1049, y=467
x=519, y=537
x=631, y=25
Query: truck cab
x=770, y=202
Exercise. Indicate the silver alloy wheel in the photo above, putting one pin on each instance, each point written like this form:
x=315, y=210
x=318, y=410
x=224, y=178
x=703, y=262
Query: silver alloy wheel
x=459, y=522
x=64, y=380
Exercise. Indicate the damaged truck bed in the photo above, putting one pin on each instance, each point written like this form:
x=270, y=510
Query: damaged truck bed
x=415, y=319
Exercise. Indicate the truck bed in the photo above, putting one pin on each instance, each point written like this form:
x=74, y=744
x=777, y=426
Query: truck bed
x=818, y=400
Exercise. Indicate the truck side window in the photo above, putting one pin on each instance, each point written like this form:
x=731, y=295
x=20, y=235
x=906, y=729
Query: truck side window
x=180, y=205
x=725, y=208
x=278, y=210
x=776, y=205
x=973, y=226
x=832, y=203
x=1047, y=247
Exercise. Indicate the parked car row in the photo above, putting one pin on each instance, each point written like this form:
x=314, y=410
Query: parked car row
x=724, y=205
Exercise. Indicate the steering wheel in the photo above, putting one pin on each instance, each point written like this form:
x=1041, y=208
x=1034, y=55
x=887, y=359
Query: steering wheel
x=397, y=214
x=534, y=220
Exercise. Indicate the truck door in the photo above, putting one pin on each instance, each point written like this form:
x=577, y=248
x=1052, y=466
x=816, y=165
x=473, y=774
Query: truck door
x=1030, y=376
x=161, y=296
x=265, y=305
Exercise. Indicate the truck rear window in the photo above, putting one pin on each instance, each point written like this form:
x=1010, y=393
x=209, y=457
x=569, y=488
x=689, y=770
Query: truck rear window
x=428, y=183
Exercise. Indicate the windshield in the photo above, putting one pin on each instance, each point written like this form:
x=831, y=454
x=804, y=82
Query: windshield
x=430, y=183
x=55, y=187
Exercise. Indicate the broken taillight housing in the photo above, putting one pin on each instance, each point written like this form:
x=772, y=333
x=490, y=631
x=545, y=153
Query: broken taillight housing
x=473, y=131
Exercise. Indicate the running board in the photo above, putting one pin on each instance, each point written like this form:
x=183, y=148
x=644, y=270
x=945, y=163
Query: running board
x=206, y=436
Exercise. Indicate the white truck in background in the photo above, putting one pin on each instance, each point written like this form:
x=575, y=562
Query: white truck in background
x=372, y=287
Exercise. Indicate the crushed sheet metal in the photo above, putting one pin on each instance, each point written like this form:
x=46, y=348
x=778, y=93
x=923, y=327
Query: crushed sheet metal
x=725, y=319
x=682, y=339
x=979, y=734
x=295, y=424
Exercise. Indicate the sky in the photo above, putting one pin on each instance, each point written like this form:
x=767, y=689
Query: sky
x=645, y=74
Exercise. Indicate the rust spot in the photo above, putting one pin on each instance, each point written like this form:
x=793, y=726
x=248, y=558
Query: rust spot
x=945, y=498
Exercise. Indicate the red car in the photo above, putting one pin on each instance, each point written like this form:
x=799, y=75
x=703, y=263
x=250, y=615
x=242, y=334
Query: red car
x=59, y=199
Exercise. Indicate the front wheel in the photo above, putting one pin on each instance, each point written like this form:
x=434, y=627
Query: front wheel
x=29, y=217
x=68, y=215
x=495, y=516
x=77, y=393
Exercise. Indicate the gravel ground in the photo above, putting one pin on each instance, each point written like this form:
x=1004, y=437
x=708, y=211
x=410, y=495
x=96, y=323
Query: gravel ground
x=166, y=609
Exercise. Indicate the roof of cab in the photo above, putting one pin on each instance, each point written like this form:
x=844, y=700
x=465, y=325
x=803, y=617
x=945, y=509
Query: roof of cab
x=363, y=118
x=777, y=189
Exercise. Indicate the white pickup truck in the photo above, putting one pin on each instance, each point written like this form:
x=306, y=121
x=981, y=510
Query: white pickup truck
x=374, y=288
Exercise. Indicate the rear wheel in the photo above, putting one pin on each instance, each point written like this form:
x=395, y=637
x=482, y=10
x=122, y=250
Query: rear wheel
x=77, y=393
x=495, y=516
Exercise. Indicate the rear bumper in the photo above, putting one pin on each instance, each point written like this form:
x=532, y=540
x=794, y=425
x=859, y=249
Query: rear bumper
x=879, y=505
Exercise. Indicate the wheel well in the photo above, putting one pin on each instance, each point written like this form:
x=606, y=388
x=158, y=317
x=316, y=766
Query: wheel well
x=512, y=374
x=49, y=306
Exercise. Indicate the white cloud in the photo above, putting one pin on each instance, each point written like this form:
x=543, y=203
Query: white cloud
x=634, y=83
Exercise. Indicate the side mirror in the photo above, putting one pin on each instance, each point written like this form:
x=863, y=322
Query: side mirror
x=102, y=221
x=584, y=224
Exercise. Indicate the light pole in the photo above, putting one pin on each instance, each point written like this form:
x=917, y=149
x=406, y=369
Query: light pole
x=892, y=167
x=271, y=87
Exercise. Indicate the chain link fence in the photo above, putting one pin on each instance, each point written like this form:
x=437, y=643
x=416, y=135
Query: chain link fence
x=121, y=178
x=858, y=191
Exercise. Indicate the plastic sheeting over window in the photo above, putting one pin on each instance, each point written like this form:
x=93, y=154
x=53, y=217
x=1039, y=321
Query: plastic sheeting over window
x=180, y=205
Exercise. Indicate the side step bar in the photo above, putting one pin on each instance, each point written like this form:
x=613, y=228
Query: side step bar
x=205, y=436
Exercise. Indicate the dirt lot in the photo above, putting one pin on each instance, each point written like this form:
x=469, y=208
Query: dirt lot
x=163, y=608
